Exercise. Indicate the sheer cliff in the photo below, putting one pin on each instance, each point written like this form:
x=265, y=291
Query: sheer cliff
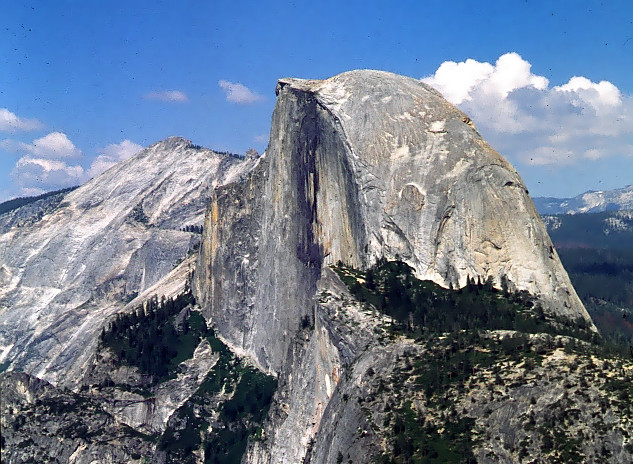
x=361, y=166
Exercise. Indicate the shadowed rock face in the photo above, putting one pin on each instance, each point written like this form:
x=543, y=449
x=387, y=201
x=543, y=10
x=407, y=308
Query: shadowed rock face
x=64, y=273
x=42, y=423
x=365, y=165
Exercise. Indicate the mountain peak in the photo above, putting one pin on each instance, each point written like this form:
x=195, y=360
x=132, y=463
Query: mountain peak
x=106, y=241
x=363, y=166
x=172, y=143
x=365, y=79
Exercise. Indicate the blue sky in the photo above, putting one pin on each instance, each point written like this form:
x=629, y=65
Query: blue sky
x=84, y=84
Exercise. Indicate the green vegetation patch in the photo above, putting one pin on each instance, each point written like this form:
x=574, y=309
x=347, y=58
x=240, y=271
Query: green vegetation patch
x=603, y=279
x=4, y=366
x=588, y=231
x=241, y=416
x=149, y=339
x=418, y=307
x=440, y=372
x=156, y=338
x=239, y=394
x=415, y=441
x=456, y=329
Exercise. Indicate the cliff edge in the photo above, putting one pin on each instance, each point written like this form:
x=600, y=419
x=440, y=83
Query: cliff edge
x=365, y=165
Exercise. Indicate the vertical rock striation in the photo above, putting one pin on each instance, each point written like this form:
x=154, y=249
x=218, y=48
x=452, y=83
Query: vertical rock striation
x=361, y=166
x=365, y=165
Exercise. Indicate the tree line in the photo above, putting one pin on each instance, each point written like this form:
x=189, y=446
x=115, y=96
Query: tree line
x=193, y=229
x=147, y=337
x=419, y=307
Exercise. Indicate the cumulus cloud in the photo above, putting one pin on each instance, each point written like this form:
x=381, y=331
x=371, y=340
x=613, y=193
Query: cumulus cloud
x=36, y=175
x=167, y=95
x=238, y=93
x=53, y=145
x=10, y=122
x=533, y=123
x=600, y=96
x=111, y=155
x=45, y=164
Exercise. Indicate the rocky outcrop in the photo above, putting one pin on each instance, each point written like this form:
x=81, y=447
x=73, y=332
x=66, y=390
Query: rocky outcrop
x=351, y=388
x=68, y=269
x=131, y=399
x=43, y=423
x=365, y=165
x=342, y=336
x=33, y=211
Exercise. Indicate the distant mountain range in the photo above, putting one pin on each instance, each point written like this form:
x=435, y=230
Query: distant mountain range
x=601, y=220
x=588, y=202
x=593, y=235
x=597, y=252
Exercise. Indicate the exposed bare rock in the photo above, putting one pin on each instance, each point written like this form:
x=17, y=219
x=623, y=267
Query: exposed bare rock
x=116, y=236
x=365, y=165
x=43, y=423
x=133, y=401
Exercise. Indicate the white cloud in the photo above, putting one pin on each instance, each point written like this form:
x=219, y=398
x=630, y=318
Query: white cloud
x=458, y=81
x=122, y=151
x=532, y=123
x=601, y=95
x=263, y=138
x=167, y=95
x=10, y=122
x=238, y=93
x=44, y=166
x=53, y=145
x=36, y=175
x=111, y=155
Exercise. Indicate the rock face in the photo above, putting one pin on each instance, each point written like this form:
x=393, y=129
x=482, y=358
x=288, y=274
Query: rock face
x=42, y=423
x=325, y=362
x=365, y=165
x=69, y=266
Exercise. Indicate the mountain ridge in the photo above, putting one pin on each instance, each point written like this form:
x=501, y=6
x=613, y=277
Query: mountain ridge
x=105, y=241
x=592, y=201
